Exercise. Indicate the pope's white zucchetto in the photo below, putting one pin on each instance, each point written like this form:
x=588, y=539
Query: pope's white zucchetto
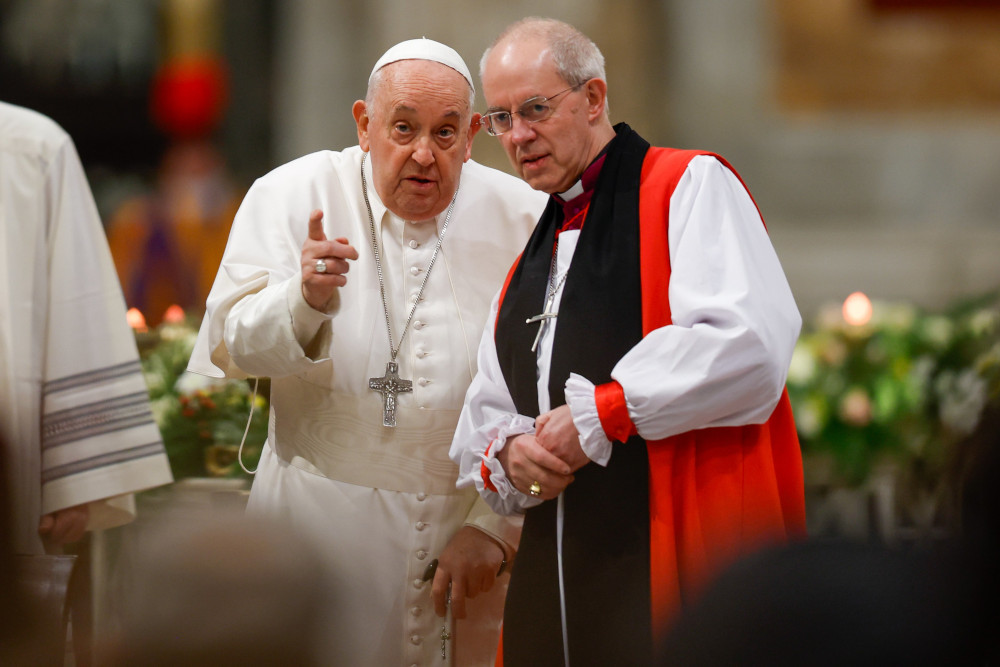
x=424, y=49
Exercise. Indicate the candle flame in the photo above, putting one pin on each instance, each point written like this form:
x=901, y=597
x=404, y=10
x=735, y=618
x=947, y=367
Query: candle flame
x=136, y=320
x=857, y=309
x=174, y=315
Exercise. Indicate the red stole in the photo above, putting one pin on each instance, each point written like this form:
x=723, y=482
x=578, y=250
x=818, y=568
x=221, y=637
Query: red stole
x=715, y=493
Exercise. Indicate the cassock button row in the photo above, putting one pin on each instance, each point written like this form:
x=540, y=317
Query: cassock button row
x=416, y=640
x=413, y=243
x=414, y=270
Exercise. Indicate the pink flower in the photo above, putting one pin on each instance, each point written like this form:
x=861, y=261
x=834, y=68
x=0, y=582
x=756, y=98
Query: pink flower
x=856, y=407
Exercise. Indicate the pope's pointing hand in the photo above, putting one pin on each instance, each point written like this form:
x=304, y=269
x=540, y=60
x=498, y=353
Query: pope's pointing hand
x=324, y=263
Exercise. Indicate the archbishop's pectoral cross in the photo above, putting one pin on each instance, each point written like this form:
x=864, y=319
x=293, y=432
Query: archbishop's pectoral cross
x=543, y=319
x=389, y=385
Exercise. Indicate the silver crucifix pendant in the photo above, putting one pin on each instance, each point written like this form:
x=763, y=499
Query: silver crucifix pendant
x=389, y=385
x=542, y=321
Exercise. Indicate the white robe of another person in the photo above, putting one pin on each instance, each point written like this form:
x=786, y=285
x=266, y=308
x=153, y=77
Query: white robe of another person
x=74, y=408
x=380, y=502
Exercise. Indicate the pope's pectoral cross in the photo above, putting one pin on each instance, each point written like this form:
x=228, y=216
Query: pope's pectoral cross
x=389, y=385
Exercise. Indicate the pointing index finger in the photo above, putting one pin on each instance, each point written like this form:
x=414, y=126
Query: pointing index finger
x=316, y=232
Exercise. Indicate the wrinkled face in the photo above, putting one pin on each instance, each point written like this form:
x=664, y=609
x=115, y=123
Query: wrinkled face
x=550, y=154
x=419, y=130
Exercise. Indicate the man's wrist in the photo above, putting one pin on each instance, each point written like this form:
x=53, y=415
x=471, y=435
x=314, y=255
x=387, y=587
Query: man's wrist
x=501, y=456
x=506, y=551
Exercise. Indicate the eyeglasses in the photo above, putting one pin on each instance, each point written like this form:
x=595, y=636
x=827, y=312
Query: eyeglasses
x=532, y=111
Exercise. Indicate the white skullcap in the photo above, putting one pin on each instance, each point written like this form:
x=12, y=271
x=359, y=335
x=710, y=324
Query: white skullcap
x=424, y=49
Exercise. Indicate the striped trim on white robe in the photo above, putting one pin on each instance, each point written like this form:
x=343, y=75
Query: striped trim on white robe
x=74, y=409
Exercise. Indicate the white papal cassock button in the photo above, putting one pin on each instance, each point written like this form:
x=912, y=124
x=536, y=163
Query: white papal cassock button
x=413, y=243
x=415, y=640
x=420, y=525
x=416, y=611
x=421, y=496
x=421, y=554
x=417, y=583
x=421, y=353
x=418, y=324
x=423, y=382
x=414, y=270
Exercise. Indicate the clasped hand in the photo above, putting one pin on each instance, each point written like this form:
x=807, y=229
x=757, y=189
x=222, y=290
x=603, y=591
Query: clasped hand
x=549, y=457
x=318, y=288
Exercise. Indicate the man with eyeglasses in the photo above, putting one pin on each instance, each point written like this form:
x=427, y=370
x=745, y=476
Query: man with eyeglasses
x=630, y=395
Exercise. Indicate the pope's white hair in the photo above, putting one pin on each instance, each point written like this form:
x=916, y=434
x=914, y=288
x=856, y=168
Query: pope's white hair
x=378, y=77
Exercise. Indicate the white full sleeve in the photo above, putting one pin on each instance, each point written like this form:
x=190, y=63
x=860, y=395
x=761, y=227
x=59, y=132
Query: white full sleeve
x=724, y=358
x=488, y=418
x=257, y=322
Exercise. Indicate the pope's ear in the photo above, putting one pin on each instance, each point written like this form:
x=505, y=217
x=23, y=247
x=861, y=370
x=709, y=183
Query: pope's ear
x=360, y=111
x=474, y=127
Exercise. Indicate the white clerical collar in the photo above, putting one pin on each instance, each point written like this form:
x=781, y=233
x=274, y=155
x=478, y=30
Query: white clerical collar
x=574, y=191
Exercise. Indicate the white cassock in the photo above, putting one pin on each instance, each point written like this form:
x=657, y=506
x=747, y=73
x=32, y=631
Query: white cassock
x=74, y=409
x=381, y=502
x=733, y=331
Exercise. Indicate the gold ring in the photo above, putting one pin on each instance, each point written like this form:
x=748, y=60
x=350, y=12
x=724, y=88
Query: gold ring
x=535, y=489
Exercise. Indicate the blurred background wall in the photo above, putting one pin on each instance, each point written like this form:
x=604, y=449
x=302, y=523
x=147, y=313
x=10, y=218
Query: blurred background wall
x=868, y=130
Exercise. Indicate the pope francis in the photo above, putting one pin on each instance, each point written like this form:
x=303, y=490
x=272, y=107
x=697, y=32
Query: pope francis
x=359, y=281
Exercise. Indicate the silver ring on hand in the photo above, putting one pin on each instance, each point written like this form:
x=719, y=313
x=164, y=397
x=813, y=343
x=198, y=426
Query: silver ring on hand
x=320, y=266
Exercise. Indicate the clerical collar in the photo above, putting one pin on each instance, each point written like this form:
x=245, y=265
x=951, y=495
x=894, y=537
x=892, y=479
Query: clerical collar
x=577, y=198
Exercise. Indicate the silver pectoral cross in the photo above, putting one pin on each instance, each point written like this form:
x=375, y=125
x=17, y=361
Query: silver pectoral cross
x=389, y=385
x=548, y=313
x=548, y=310
x=542, y=319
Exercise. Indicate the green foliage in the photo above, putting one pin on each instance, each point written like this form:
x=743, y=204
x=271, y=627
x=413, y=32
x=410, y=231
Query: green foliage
x=201, y=419
x=904, y=387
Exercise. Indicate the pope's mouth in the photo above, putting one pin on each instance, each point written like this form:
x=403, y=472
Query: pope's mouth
x=419, y=181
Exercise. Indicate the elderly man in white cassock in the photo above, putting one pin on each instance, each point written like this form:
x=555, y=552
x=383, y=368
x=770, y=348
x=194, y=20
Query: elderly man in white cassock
x=359, y=281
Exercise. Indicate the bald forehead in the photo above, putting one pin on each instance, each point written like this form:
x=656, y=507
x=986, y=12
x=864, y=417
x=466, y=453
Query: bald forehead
x=417, y=80
x=514, y=54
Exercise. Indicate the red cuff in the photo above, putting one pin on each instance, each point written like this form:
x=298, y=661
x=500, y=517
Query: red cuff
x=613, y=411
x=484, y=471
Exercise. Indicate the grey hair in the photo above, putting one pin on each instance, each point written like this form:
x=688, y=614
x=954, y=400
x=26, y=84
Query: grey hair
x=576, y=57
x=376, y=80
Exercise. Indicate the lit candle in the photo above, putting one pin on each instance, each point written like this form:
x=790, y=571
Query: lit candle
x=136, y=320
x=174, y=315
x=857, y=309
